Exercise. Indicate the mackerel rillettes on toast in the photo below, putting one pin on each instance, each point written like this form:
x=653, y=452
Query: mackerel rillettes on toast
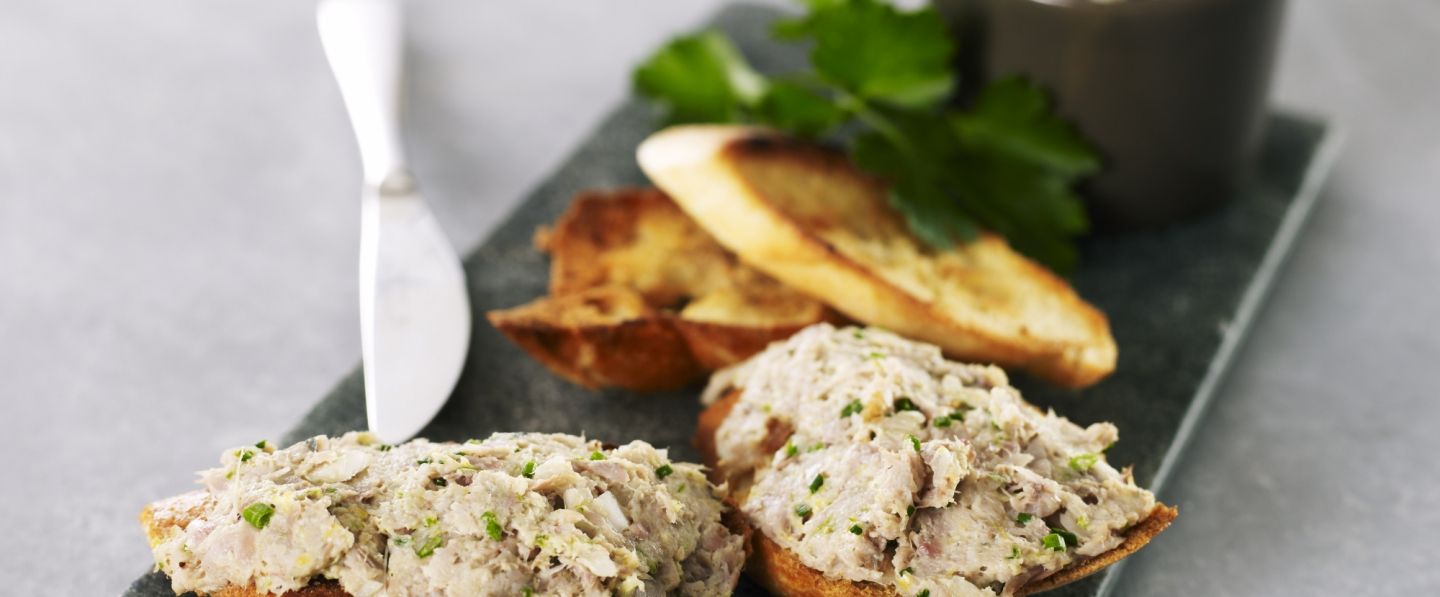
x=873, y=459
x=514, y=514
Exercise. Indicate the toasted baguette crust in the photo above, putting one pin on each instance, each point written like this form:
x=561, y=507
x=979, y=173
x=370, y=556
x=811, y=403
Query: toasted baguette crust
x=642, y=298
x=804, y=215
x=782, y=573
x=601, y=337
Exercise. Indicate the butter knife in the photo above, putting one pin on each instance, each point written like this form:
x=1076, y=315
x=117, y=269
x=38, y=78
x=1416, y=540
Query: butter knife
x=414, y=308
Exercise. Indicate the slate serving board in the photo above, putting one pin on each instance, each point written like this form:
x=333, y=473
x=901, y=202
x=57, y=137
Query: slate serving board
x=1179, y=301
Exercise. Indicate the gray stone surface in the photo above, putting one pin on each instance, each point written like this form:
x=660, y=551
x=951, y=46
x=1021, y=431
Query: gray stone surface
x=177, y=238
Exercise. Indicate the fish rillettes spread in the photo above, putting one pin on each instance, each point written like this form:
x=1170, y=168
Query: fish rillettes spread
x=515, y=514
x=872, y=458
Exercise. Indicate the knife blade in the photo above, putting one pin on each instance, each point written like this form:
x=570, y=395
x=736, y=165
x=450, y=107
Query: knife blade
x=414, y=307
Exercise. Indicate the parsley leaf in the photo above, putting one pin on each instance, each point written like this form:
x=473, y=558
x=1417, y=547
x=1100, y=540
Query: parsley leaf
x=700, y=78
x=874, y=51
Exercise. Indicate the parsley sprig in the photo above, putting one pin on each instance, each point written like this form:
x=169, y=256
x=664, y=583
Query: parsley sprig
x=881, y=82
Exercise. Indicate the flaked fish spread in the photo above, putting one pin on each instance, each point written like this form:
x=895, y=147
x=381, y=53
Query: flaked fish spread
x=875, y=459
x=515, y=514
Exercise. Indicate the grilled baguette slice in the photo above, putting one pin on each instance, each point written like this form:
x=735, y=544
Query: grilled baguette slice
x=804, y=215
x=782, y=573
x=643, y=298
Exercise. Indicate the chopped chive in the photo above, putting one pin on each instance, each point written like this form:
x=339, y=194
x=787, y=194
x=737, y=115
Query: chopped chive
x=423, y=461
x=384, y=447
x=1082, y=462
x=527, y=592
x=958, y=416
x=597, y=455
x=262, y=444
x=439, y=481
x=427, y=548
x=1023, y=517
x=258, y=514
x=942, y=422
x=856, y=529
x=803, y=510
x=1068, y=536
x=909, y=511
x=492, y=526
x=903, y=404
x=817, y=483
x=924, y=593
x=529, y=471
x=245, y=455
x=1014, y=552
x=907, y=570
x=790, y=449
x=850, y=409
x=915, y=441
x=1053, y=542
x=664, y=471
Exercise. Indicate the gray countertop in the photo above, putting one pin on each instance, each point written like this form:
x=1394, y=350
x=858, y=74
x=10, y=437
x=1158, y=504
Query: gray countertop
x=178, y=224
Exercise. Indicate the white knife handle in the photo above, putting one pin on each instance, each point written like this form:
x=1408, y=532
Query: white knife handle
x=364, y=40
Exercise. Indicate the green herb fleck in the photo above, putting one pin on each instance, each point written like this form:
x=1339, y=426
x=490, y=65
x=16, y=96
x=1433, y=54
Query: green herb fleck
x=858, y=333
x=802, y=510
x=790, y=449
x=915, y=441
x=439, y=481
x=597, y=455
x=1023, y=518
x=1014, y=552
x=664, y=471
x=540, y=540
x=875, y=354
x=907, y=570
x=423, y=461
x=427, y=548
x=903, y=404
x=529, y=471
x=817, y=483
x=431, y=521
x=245, y=455
x=492, y=526
x=856, y=529
x=527, y=592
x=1058, y=540
x=942, y=421
x=909, y=511
x=1082, y=462
x=853, y=408
x=384, y=447
x=262, y=444
x=817, y=447
x=258, y=514
x=924, y=593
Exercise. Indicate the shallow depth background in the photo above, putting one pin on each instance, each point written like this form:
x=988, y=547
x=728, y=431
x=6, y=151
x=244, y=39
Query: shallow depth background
x=178, y=216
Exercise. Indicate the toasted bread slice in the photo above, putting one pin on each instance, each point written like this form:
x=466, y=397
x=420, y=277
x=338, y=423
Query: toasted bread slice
x=643, y=298
x=804, y=215
x=782, y=573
